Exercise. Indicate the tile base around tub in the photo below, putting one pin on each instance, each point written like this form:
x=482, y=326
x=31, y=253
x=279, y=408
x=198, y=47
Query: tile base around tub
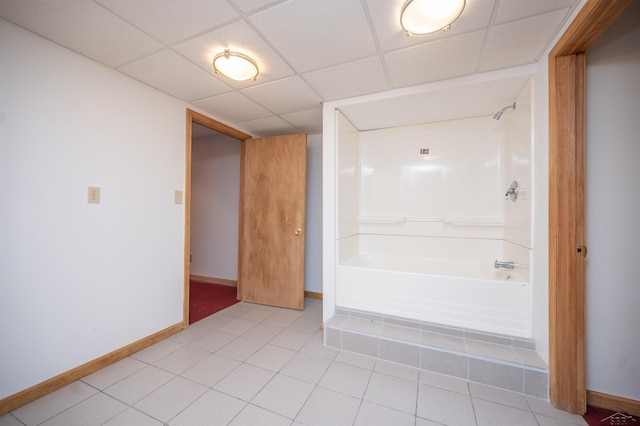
x=504, y=362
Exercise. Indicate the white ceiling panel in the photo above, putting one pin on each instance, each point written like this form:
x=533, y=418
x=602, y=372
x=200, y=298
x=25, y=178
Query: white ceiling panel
x=519, y=42
x=310, y=120
x=171, y=21
x=176, y=75
x=386, y=20
x=276, y=96
x=238, y=36
x=82, y=26
x=247, y=6
x=232, y=106
x=446, y=58
x=272, y=126
x=314, y=34
x=517, y=9
x=347, y=80
x=308, y=51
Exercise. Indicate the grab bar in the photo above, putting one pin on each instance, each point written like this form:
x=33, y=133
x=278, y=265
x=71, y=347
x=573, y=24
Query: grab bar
x=502, y=264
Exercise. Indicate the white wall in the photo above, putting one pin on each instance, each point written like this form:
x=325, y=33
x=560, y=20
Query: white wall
x=313, y=237
x=80, y=280
x=613, y=208
x=215, y=198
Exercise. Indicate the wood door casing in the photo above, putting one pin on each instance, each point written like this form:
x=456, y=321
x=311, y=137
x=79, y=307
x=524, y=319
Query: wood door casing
x=272, y=230
x=567, y=349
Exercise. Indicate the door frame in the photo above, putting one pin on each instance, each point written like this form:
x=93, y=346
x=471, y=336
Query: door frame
x=567, y=67
x=210, y=123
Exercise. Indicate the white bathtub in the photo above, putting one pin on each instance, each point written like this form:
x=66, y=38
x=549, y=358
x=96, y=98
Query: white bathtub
x=449, y=281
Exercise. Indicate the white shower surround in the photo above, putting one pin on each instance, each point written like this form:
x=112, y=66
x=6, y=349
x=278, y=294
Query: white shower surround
x=415, y=237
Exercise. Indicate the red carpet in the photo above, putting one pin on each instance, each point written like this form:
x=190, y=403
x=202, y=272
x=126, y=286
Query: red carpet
x=206, y=299
x=604, y=417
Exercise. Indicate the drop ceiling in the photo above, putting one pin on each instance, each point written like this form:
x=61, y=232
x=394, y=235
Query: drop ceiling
x=309, y=51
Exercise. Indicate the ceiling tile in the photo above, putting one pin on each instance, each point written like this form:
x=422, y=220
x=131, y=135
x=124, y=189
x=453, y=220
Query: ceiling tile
x=317, y=34
x=274, y=95
x=173, y=74
x=232, y=106
x=519, y=42
x=347, y=80
x=82, y=26
x=308, y=121
x=170, y=21
x=250, y=5
x=238, y=36
x=386, y=20
x=517, y=9
x=272, y=126
x=446, y=58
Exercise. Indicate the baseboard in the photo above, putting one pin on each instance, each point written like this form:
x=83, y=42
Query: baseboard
x=19, y=399
x=213, y=280
x=612, y=402
x=313, y=295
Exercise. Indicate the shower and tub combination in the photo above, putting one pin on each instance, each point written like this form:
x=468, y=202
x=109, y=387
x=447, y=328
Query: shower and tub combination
x=433, y=220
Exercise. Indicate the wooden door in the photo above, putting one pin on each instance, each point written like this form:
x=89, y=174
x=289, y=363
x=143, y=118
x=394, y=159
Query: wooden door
x=272, y=221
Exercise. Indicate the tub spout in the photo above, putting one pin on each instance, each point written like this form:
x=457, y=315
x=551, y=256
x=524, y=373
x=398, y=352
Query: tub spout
x=502, y=264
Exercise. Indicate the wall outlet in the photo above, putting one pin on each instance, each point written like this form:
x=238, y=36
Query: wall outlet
x=93, y=196
x=177, y=197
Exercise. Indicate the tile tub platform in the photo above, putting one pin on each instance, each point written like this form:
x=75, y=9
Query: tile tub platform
x=504, y=362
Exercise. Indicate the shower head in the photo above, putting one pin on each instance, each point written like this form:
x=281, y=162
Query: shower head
x=498, y=114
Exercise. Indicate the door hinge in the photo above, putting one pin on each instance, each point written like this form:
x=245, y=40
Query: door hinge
x=582, y=251
x=190, y=258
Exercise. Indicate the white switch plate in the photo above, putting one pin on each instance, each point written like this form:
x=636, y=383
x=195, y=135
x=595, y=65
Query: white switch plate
x=93, y=195
x=177, y=197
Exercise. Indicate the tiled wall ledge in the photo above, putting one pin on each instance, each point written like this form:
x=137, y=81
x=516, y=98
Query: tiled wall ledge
x=502, y=361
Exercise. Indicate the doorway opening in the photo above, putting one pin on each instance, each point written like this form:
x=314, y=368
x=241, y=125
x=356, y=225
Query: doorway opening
x=201, y=134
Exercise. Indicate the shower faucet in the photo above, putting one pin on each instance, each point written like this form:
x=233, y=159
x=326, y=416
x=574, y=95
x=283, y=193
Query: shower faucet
x=502, y=264
x=512, y=192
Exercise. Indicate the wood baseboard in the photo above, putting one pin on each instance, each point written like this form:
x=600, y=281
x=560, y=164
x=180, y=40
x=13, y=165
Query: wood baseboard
x=214, y=280
x=612, y=402
x=313, y=295
x=19, y=399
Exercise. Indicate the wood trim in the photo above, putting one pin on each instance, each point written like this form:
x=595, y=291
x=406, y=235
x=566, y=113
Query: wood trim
x=214, y=280
x=187, y=219
x=212, y=124
x=567, y=350
x=594, y=18
x=19, y=399
x=313, y=295
x=613, y=402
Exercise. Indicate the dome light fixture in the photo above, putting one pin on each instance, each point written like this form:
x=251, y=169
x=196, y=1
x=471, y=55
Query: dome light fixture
x=236, y=66
x=427, y=16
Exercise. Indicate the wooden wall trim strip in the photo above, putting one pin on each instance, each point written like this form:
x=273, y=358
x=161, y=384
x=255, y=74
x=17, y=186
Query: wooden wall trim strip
x=213, y=280
x=19, y=399
x=612, y=402
x=313, y=295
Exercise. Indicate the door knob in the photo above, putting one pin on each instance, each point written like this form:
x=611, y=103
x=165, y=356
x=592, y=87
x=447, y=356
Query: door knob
x=298, y=231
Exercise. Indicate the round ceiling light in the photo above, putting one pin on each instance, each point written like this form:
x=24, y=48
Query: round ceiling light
x=236, y=66
x=428, y=16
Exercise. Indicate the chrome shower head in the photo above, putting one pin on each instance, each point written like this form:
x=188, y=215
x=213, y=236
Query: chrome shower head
x=498, y=114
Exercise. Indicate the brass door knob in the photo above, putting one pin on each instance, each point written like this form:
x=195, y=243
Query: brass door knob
x=298, y=231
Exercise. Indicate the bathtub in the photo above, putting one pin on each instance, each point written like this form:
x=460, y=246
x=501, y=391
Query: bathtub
x=448, y=281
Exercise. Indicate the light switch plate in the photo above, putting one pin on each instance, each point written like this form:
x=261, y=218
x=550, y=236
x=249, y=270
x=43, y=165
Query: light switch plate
x=177, y=197
x=93, y=195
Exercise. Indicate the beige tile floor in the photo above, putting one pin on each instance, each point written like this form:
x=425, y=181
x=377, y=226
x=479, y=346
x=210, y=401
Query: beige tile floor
x=259, y=365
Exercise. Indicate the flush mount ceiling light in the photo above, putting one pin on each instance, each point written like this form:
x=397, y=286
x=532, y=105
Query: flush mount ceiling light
x=428, y=16
x=236, y=66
